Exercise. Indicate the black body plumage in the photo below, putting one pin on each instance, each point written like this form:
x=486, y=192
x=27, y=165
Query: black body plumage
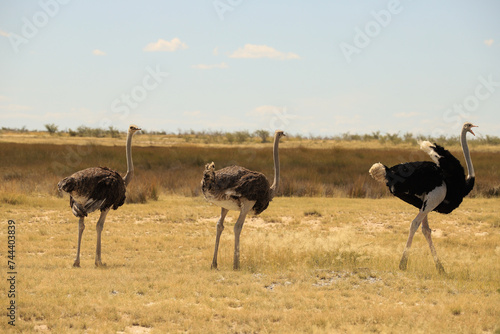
x=439, y=186
x=411, y=181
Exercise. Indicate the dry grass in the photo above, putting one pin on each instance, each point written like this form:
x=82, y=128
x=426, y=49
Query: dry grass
x=306, y=171
x=315, y=265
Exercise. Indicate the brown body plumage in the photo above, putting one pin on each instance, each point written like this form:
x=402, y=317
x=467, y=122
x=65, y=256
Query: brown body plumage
x=233, y=184
x=238, y=188
x=97, y=188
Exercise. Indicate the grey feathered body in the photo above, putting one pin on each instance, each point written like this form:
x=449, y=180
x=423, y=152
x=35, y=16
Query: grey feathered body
x=227, y=186
x=95, y=188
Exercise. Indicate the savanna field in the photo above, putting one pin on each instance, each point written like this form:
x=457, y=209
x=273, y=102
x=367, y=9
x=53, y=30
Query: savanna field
x=323, y=258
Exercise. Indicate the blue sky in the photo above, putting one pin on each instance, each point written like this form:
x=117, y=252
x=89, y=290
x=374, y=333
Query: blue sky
x=309, y=67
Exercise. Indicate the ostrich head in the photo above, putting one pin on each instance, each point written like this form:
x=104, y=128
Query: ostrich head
x=278, y=134
x=468, y=127
x=208, y=175
x=210, y=167
x=133, y=129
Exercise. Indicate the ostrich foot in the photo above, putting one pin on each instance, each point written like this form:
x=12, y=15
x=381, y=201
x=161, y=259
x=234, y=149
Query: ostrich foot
x=214, y=266
x=100, y=264
x=440, y=268
x=76, y=264
x=403, y=263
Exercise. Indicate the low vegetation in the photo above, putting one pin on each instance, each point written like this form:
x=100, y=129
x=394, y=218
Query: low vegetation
x=263, y=136
x=332, y=171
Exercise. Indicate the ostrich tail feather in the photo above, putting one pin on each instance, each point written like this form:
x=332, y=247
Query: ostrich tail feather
x=430, y=149
x=378, y=172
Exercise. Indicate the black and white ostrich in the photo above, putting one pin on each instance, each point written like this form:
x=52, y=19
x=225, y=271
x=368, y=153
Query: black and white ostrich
x=430, y=186
x=237, y=188
x=97, y=188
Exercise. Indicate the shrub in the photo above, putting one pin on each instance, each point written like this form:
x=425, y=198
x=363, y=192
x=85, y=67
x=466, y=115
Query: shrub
x=51, y=128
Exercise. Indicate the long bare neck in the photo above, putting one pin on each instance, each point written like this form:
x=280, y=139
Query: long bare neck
x=130, y=164
x=468, y=161
x=276, y=181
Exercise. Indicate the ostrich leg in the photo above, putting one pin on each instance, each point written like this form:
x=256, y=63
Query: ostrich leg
x=81, y=227
x=426, y=230
x=99, y=227
x=245, y=208
x=413, y=228
x=220, y=228
x=431, y=201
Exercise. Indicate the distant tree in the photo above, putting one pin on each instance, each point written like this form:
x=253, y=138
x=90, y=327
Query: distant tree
x=230, y=137
x=51, y=128
x=241, y=136
x=408, y=137
x=262, y=134
x=114, y=133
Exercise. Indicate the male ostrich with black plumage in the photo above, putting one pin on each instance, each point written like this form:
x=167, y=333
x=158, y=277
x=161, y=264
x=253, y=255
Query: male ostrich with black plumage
x=237, y=188
x=430, y=186
x=97, y=188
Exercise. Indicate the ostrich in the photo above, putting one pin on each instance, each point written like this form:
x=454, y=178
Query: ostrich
x=97, y=188
x=237, y=188
x=430, y=186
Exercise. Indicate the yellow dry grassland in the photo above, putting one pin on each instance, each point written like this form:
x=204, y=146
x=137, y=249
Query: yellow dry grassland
x=308, y=265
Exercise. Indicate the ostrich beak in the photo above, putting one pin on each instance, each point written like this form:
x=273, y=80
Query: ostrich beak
x=470, y=130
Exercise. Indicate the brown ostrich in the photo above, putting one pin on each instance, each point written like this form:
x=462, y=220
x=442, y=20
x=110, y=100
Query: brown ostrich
x=237, y=188
x=97, y=188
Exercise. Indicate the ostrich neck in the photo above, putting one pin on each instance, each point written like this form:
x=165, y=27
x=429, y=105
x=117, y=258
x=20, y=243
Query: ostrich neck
x=465, y=149
x=130, y=164
x=276, y=181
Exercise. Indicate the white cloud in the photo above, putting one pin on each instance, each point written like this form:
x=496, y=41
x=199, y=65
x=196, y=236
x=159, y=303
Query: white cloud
x=14, y=107
x=210, y=66
x=4, y=33
x=262, y=51
x=489, y=42
x=98, y=52
x=265, y=110
x=216, y=51
x=274, y=117
x=195, y=113
x=406, y=114
x=168, y=46
x=346, y=120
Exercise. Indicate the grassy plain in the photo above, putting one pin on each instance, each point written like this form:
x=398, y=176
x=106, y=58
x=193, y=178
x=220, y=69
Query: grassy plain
x=314, y=265
x=318, y=263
